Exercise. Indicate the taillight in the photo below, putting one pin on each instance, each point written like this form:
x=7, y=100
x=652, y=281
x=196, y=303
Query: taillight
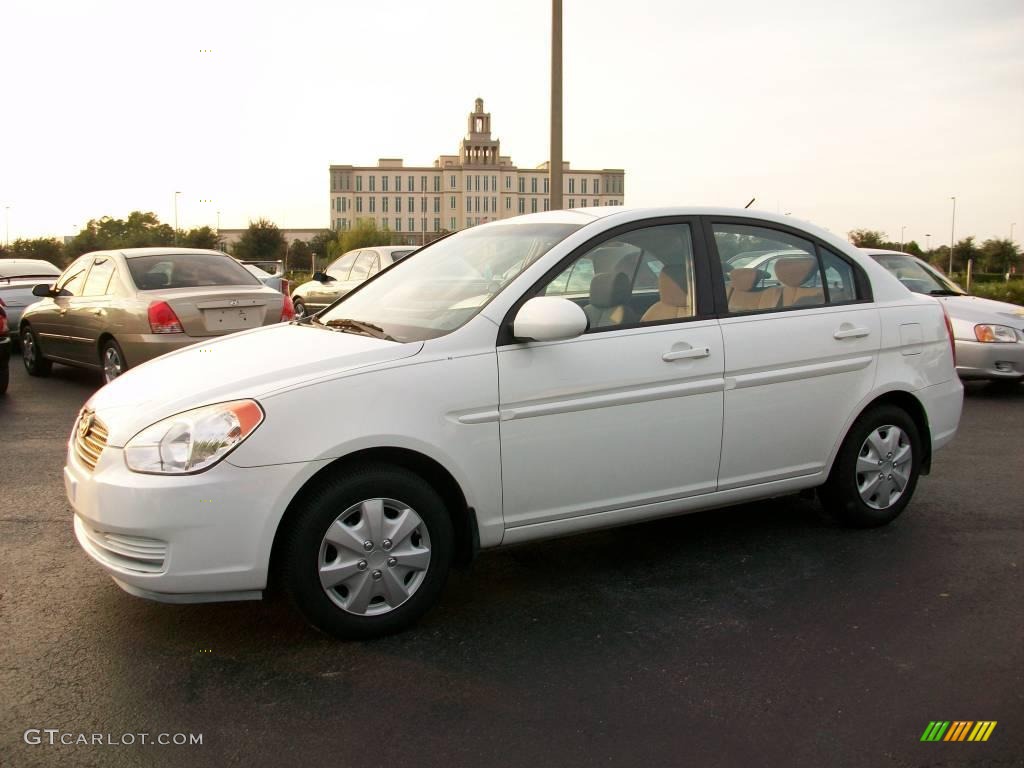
x=287, y=309
x=286, y=287
x=949, y=332
x=3, y=318
x=162, y=318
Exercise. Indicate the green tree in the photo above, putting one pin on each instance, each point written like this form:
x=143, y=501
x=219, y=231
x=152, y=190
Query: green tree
x=45, y=248
x=963, y=251
x=137, y=231
x=262, y=241
x=319, y=244
x=363, y=235
x=300, y=255
x=998, y=255
x=867, y=238
x=199, y=237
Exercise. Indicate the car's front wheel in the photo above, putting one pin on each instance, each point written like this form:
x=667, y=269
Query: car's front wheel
x=112, y=358
x=300, y=308
x=32, y=354
x=876, y=470
x=368, y=553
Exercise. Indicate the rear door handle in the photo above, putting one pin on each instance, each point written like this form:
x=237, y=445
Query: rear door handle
x=686, y=354
x=851, y=333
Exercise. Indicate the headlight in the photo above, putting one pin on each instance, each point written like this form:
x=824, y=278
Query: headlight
x=995, y=333
x=194, y=440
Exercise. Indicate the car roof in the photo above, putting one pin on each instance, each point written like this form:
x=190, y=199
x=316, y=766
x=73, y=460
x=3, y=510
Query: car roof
x=884, y=252
x=163, y=250
x=27, y=263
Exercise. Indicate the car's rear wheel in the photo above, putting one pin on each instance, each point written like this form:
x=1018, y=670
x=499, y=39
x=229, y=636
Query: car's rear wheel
x=32, y=354
x=5, y=377
x=300, y=308
x=112, y=358
x=368, y=553
x=876, y=471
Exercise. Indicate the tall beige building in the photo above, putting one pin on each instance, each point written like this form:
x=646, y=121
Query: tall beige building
x=477, y=185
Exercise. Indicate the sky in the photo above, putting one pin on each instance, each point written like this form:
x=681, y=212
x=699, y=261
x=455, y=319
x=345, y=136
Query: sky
x=851, y=115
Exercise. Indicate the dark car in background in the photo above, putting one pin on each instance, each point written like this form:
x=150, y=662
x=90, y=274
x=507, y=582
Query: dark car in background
x=5, y=351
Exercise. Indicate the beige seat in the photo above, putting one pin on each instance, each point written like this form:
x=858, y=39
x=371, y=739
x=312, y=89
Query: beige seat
x=673, y=299
x=745, y=297
x=793, y=272
x=609, y=297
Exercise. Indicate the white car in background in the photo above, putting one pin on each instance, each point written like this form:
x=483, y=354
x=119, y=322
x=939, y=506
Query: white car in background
x=989, y=334
x=17, y=279
x=476, y=395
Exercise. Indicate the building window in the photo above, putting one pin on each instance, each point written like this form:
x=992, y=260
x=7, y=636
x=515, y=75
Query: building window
x=412, y=225
x=437, y=183
x=437, y=205
x=547, y=203
x=486, y=207
x=583, y=203
x=469, y=204
x=383, y=184
x=469, y=183
x=476, y=182
x=451, y=181
x=398, y=205
x=452, y=224
x=398, y=224
x=359, y=204
x=533, y=205
x=597, y=186
x=533, y=184
x=522, y=205
x=373, y=183
x=412, y=204
x=572, y=186
x=547, y=184
x=412, y=183
x=359, y=183
x=572, y=203
x=583, y=186
x=437, y=225
x=486, y=184
x=494, y=204
x=596, y=202
x=451, y=200
x=373, y=204
x=508, y=182
x=494, y=183
x=522, y=185
x=384, y=204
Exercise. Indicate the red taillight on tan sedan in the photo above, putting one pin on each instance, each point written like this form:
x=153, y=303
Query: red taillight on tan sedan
x=287, y=309
x=162, y=318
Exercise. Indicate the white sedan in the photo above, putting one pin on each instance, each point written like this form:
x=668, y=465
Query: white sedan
x=527, y=378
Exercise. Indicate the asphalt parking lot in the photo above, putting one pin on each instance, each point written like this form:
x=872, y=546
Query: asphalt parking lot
x=757, y=635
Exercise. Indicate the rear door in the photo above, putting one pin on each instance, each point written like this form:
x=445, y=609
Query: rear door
x=801, y=347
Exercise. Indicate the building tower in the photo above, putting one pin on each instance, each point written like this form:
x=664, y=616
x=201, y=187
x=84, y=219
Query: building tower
x=478, y=148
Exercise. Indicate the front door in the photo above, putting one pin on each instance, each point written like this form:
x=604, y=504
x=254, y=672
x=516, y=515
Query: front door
x=629, y=413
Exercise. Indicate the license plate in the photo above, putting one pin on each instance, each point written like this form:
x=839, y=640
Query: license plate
x=229, y=319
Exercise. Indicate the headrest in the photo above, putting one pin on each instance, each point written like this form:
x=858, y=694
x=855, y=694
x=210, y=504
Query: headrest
x=670, y=287
x=794, y=271
x=745, y=278
x=609, y=289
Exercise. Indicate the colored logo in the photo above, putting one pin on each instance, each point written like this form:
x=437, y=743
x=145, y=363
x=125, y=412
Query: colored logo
x=958, y=730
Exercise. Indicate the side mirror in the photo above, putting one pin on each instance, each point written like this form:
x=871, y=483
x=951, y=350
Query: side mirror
x=322, y=277
x=549, y=318
x=43, y=290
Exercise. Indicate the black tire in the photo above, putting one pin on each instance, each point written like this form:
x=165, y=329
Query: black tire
x=841, y=495
x=300, y=308
x=32, y=354
x=301, y=549
x=5, y=377
x=113, y=350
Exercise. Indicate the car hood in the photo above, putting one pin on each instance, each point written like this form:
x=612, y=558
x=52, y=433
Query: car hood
x=975, y=309
x=249, y=364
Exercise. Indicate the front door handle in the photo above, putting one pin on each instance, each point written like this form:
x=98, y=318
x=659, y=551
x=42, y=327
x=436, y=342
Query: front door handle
x=686, y=354
x=851, y=333
x=97, y=312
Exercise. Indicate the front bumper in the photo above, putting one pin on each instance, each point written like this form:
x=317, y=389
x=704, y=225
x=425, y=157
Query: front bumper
x=979, y=360
x=194, y=538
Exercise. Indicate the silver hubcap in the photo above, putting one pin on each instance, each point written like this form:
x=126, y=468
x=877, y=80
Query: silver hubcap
x=28, y=349
x=112, y=365
x=883, y=467
x=300, y=309
x=374, y=557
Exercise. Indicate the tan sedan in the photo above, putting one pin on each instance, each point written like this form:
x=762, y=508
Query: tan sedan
x=111, y=310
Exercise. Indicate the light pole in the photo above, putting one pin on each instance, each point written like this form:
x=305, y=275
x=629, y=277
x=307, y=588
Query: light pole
x=903, y=229
x=176, y=217
x=927, y=241
x=7, y=225
x=952, y=232
x=555, y=171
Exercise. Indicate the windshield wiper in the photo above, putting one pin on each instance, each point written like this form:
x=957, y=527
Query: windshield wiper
x=367, y=329
x=945, y=292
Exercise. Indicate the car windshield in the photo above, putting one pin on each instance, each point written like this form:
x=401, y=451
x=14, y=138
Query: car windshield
x=442, y=286
x=918, y=276
x=187, y=270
